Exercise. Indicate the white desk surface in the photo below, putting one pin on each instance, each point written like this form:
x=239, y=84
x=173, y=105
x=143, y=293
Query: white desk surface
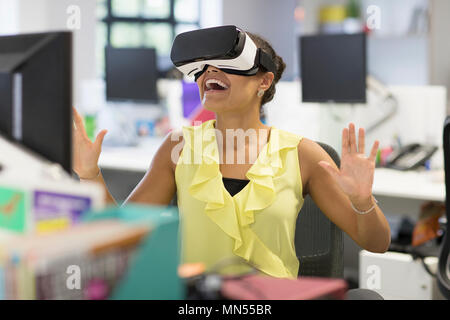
x=130, y=158
x=422, y=185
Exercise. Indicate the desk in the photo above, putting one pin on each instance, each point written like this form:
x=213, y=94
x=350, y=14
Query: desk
x=419, y=185
x=400, y=193
x=136, y=158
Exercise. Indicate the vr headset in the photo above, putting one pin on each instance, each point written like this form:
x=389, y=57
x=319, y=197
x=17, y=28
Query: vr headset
x=227, y=48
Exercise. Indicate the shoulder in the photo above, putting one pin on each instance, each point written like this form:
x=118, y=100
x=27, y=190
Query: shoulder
x=306, y=148
x=309, y=150
x=171, y=140
x=310, y=153
x=170, y=149
x=175, y=140
x=174, y=137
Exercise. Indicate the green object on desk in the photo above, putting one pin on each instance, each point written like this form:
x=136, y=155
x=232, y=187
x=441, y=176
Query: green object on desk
x=153, y=274
x=12, y=209
x=90, y=125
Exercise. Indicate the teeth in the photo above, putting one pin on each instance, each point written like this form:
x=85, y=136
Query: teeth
x=220, y=83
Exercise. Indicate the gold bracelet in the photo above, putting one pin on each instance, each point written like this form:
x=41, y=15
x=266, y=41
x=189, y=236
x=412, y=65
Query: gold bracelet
x=367, y=211
x=98, y=175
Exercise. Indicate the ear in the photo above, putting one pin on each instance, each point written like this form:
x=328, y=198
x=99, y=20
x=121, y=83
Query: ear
x=266, y=80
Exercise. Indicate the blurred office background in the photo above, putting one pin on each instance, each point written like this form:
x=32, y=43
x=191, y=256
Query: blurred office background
x=407, y=50
x=410, y=46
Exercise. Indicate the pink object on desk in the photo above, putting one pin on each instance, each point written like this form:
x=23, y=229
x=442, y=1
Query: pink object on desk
x=257, y=287
x=97, y=289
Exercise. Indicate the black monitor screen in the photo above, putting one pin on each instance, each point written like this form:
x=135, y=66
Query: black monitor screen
x=36, y=93
x=131, y=74
x=333, y=68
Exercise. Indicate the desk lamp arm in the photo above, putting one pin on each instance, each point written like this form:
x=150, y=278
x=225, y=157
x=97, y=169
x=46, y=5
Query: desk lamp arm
x=380, y=89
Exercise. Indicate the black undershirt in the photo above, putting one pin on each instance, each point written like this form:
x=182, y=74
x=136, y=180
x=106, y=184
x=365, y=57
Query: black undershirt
x=233, y=186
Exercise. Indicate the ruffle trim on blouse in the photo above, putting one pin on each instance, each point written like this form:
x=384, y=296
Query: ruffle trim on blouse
x=207, y=186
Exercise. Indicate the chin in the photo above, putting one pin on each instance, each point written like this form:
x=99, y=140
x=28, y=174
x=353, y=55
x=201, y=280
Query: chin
x=214, y=106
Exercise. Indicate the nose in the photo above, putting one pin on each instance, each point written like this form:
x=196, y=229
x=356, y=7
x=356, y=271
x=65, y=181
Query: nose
x=208, y=70
x=212, y=69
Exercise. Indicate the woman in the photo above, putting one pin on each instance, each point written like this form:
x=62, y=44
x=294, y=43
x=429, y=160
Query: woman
x=247, y=206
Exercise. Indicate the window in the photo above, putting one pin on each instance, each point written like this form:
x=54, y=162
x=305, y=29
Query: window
x=144, y=23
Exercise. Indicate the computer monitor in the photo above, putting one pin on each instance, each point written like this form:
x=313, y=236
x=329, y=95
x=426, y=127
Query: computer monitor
x=333, y=68
x=36, y=93
x=131, y=74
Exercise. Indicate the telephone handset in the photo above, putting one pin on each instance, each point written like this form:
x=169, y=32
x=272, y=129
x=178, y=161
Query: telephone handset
x=410, y=156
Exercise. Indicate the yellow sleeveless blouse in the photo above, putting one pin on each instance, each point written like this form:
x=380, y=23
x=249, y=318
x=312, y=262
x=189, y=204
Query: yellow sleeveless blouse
x=258, y=223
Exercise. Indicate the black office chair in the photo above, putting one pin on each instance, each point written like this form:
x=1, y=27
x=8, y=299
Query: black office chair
x=319, y=242
x=444, y=257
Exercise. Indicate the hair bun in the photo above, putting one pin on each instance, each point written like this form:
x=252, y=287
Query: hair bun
x=279, y=64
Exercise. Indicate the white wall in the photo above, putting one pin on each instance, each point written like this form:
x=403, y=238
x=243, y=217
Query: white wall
x=211, y=13
x=83, y=38
x=395, y=15
x=273, y=20
x=440, y=44
x=420, y=116
x=8, y=16
x=397, y=60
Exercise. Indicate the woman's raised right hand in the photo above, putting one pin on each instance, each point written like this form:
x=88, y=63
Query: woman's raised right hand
x=85, y=153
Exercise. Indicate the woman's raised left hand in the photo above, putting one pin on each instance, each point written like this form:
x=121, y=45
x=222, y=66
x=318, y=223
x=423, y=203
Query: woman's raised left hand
x=355, y=176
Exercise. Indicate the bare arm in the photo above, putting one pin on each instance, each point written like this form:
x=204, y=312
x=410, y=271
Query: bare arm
x=158, y=185
x=334, y=189
x=109, y=199
x=85, y=155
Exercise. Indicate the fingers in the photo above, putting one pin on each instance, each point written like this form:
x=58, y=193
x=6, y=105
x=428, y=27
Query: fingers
x=78, y=121
x=329, y=168
x=99, y=140
x=345, y=142
x=349, y=144
x=352, y=138
x=373, y=152
x=361, y=142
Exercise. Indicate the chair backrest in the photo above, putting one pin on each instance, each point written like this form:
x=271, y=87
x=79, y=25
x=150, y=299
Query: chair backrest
x=444, y=257
x=318, y=242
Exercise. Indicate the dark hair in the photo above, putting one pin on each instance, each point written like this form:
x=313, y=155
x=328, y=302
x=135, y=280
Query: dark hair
x=279, y=64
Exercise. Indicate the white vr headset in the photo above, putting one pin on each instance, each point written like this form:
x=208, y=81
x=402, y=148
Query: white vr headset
x=227, y=48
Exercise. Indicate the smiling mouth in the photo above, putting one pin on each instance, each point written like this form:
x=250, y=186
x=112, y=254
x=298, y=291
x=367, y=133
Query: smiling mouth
x=214, y=85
